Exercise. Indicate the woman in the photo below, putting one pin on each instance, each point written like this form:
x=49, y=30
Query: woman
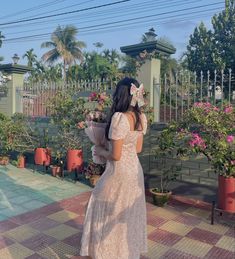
x=115, y=222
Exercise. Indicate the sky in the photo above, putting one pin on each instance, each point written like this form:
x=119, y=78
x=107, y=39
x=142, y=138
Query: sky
x=116, y=25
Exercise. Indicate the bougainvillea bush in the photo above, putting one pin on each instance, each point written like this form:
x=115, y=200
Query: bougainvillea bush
x=204, y=129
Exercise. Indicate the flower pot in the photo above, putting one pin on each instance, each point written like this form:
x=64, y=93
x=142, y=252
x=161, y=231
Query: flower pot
x=226, y=193
x=4, y=160
x=42, y=156
x=56, y=170
x=93, y=179
x=160, y=198
x=74, y=160
x=21, y=162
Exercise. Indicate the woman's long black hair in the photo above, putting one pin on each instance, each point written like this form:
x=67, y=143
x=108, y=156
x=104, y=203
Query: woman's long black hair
x=122, y=100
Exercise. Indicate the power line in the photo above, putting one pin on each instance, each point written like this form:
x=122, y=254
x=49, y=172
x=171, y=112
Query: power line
x=135, y=9
x=65, y=7
x=37, y=7
x=65, y=13
x=114, y=10
x=118, y=22
x=107, y=28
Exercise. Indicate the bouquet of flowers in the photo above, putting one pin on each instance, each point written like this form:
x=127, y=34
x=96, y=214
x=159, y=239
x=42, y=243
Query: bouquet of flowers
x=93, y=169
x=96, y=124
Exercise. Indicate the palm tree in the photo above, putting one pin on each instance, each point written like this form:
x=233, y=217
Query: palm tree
x=1, y=38
x=64, y=46
x=30, y=56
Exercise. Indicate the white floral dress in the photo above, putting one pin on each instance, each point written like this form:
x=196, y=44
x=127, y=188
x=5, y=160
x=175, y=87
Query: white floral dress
x=115, y=222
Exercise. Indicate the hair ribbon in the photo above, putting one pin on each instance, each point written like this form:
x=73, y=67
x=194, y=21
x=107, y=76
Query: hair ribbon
x=137, y=95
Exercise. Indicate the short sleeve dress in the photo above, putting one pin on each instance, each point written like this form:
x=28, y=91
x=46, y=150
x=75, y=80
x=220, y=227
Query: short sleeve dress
x=115, y=221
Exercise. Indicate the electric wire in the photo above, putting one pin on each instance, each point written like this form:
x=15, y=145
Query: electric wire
x=117, y=22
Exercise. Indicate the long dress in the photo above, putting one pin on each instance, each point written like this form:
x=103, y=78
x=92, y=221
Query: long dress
x=115, y=221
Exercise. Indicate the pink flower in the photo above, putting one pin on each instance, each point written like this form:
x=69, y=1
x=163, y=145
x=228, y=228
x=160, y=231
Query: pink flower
x=232, y=162
x=230, y=139
x=197, y=141
x=228, y=109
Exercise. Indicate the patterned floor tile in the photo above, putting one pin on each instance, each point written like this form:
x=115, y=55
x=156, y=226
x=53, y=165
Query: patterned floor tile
x=150, y=229
x=204, y=236
x=38, y=242
x=73, y=240
x=198, y=212
x=7, y=225
x=227, y=243
x=192, y=247
x=231, y=232
x=59, y=250
x=176, y=227
x=155, y=221
x=44, y=224
x=21, y=233
x=62, y=216
x=61, y=232
x=4, y=242
x=15, y=251
x=155, y=250
x=176, y=254
x=219, y=253
x=164, y=237
x=164, y=213
x=76, y=223
x=34, y=256
x=187, y=219
x=216, y=228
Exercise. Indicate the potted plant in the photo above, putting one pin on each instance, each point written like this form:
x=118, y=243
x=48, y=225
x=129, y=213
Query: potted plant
x=93, y=172
x=58, y=163
x=162, y=194
x=208, y=130
x=42, y=154
x=23, y=137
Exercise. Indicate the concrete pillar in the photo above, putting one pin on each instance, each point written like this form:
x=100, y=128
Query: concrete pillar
x=149, y=75
x=12, y=102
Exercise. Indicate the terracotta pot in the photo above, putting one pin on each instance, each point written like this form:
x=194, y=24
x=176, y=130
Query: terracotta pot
x=226, y=193
x=56, y=170
x=160, y=198
x=4, y=160
x=21, y=162
x=93, y=179
x=74, y=160
x=42, y=156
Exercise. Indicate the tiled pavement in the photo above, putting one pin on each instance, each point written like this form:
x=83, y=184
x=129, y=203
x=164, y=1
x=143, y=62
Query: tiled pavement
x=54, y=230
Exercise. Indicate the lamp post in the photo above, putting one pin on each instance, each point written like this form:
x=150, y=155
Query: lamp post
x=15, y=59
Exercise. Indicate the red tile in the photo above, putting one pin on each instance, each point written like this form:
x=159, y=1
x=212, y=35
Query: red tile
x=77, y=208
x=44, y=224
x=4, y=242
x=219, y=253
x=164, y=237
x=49, y=209
x=73, y=240
x=204, y=236
x=7, y=225
x=155, y=220
x=38, y=242
x=27, y=217
x=176, y=254
x=188, y=220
